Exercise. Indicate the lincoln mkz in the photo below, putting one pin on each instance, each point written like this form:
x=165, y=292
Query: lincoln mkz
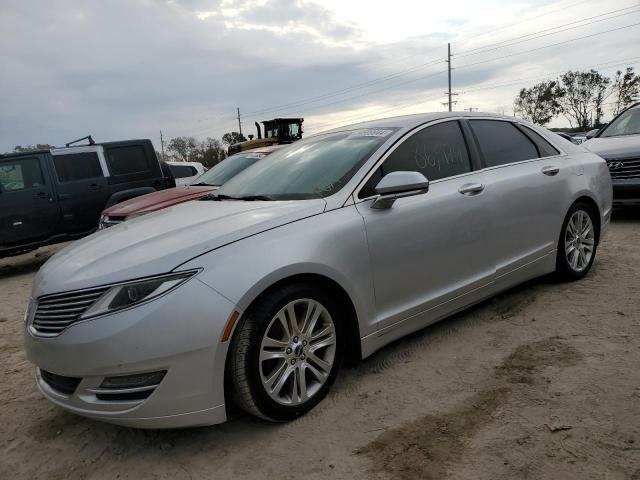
x=331, y=247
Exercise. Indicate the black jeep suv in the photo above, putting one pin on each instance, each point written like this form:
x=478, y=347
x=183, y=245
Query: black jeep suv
x=50, y=196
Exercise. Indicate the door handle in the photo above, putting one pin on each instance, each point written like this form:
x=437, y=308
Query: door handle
x=64, y=196
x=94, y=186
x=550, y=170
x=471, y=188
x=41, y=195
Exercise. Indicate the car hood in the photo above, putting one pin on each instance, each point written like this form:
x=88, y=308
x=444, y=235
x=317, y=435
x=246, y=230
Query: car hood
x=161, y=241
x=615, y=147
x=158, y=200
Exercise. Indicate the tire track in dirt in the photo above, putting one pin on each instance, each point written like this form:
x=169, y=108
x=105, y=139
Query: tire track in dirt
x=427, y=447
x=348, y=385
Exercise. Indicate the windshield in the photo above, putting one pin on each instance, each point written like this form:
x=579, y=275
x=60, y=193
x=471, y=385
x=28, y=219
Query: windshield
x=628, y=123
x=227, y=169
x=315, y=167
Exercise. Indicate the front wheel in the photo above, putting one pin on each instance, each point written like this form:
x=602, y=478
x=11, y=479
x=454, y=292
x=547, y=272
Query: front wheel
x=286, y=352
x=578, y=243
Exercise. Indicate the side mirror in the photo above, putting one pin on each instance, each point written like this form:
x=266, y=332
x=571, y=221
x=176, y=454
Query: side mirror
x=398, y=185
x=592, y=133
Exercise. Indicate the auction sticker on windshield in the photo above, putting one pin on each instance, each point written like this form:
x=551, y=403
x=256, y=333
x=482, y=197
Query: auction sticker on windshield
x=370, y=133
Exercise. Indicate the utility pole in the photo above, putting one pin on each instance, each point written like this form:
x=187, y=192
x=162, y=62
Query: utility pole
x=162, y=145
x=449, y=93
x=239, y=122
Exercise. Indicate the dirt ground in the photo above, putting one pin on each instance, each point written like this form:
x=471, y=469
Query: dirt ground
x=542, y=382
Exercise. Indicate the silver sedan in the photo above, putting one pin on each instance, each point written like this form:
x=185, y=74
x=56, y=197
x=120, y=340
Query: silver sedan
x=335, y=245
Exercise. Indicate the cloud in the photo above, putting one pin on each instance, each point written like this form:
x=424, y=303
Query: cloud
x=128, y=68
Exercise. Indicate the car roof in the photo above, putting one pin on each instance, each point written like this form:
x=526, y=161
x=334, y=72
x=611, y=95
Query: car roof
x=267, y=150
x=173, y=162
x=410, y=121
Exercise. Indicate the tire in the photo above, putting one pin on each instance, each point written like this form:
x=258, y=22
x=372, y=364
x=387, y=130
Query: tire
x=576, y=255
x=310, y=358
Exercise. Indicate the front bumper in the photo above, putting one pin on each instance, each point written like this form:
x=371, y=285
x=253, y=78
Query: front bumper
x=179, y=332
x=626, y=191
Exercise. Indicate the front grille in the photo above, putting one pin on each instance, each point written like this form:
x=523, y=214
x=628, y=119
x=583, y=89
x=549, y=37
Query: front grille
x=624, y=167
x=56, y=312
x=65, y=385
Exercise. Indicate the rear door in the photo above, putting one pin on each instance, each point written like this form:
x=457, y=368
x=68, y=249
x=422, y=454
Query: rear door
x=528, y=178
x=82, y=186
x=28, y=211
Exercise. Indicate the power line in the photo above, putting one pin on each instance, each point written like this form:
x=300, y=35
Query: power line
x=392, y=76
x=547, y=46
x=610, y=64
x=535, y=35
x=506, y=27
x=345, y=90
x=319, y=98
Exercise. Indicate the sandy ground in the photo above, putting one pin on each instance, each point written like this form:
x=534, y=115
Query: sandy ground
x=542, y=382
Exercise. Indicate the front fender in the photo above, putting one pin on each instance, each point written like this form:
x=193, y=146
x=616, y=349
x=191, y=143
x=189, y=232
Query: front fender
x=332, y=244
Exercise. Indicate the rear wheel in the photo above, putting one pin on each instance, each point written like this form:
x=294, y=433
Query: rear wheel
x=578, y=243
x=286, y=352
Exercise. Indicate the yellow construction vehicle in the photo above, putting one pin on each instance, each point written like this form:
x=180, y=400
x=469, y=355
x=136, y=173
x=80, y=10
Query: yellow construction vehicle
x=276, y=131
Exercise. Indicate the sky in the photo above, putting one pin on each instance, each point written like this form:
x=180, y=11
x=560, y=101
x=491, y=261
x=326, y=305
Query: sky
x=120, y=69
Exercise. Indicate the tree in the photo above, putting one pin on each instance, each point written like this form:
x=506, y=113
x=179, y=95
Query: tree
x=540, y=103
x=31, y=148
x=625, y=88
x=211, y=152
x=232, y=137
x=583, y=98
x=183, y=149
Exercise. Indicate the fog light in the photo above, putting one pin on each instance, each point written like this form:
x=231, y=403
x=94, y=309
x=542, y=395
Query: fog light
x=134, y=381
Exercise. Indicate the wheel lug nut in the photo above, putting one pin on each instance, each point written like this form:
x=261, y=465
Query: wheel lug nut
x=302, y=357
x=293, y=361
x=289, y=350
x=304, y=343
x=295, y=339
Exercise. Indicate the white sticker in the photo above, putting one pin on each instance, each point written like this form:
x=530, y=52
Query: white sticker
x=370, y=133
x=255, y=155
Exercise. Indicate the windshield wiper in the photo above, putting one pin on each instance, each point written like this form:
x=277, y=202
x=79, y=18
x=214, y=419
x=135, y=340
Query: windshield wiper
x=202, y=184
x=247, y=198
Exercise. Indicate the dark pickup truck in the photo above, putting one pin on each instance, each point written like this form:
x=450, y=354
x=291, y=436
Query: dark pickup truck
x=50, y=196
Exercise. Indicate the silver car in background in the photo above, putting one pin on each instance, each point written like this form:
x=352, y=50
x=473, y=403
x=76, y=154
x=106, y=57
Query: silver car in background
x=333, y=246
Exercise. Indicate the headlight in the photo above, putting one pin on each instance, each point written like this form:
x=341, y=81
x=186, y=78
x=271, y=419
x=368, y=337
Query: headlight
x=129, y=294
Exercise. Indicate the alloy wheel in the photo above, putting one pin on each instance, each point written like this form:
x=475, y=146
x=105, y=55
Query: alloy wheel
x=297, y=352
x=579, y=240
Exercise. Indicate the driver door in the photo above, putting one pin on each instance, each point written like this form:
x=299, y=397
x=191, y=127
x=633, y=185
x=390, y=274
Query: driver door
x=429, y=252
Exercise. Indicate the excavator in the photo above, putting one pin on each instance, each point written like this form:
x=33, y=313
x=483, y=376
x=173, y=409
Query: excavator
x=276, y=131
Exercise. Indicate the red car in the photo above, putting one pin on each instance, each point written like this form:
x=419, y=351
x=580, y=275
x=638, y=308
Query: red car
x=201, y=186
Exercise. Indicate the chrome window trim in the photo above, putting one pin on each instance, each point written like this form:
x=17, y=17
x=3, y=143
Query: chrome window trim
x=392, y=149
x=418, y=128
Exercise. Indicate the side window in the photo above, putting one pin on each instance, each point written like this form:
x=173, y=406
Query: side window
x=501, y=142
x=20, y=174
x=182, y=171
x=71, y=167
x=126, y=160
x=545, y=148
x=437, y=152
